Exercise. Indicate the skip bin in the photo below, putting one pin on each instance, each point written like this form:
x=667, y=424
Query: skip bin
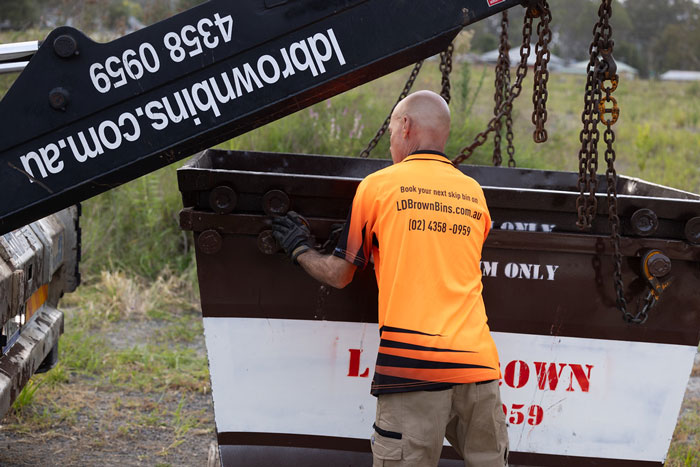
x=291, y=360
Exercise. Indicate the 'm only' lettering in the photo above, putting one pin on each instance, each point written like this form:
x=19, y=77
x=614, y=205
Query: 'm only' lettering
x=529, y=271
x=520, y=270
x=524, y=226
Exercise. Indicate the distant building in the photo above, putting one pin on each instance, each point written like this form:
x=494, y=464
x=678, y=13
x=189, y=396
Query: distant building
x=581, y=68
x=514, y=54
x=680, y=75
x=468, y=58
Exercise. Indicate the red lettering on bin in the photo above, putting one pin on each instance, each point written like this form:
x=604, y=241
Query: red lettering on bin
x=583, y=379
x=354, y=369
x=549, y=374
x=535, y=414
x=521, y=369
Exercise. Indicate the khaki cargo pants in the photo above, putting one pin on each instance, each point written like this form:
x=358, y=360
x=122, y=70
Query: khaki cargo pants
x=410, y=427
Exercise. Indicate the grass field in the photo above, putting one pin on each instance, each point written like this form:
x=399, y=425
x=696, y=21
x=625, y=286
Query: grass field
x=139, y=269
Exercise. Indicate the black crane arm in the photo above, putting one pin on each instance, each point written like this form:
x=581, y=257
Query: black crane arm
x=85, y=117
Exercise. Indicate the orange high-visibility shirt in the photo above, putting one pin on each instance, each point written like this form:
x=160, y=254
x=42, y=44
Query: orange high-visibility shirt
x=424, y=224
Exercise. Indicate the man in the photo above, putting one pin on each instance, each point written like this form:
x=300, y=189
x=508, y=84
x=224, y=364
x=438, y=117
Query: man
x=423, y=223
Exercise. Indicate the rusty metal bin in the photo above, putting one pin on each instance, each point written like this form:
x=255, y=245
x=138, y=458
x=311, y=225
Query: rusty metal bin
x=290, y=360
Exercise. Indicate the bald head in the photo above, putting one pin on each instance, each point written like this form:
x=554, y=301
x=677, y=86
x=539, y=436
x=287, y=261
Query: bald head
x=420, y=121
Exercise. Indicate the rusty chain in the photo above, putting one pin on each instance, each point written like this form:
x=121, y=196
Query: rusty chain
x=542, y=53
x=509, y=137
x=502, y=85
x=385, y=126
x=611, y=179
x=510, y=147
x=587, y=205
x=613, y=218
x=446, y=70
x=598, y=103
x=515, y=90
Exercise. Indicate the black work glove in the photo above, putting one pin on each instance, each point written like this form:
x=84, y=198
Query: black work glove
x=292, y=233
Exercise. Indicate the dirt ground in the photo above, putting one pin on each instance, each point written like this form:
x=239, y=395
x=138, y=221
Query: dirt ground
x=99, y=438
x=88, y=422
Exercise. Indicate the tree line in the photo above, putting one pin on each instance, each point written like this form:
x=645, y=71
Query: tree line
x=87, y=15
x=651, y=35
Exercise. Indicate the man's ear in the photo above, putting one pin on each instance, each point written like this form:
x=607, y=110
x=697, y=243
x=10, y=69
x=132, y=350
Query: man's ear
x=406, y=126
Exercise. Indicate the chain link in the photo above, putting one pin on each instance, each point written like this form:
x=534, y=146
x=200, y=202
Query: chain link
x=507, y=105
x=509, y=138
x=502, y=85
x=652, y=298
x=587, y=205
x=385, y=126
x=542, y=53
x=613, y=218
x=446, y=70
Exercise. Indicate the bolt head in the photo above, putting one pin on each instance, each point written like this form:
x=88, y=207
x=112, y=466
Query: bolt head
x=210, y=242
x=692, y=230
x=659, y=265
x=644, y=222
x=59, y=98
x=223, y=199
x=276, y=203
x=65, y=46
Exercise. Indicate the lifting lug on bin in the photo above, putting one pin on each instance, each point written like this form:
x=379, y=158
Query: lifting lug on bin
x=655, y=267
x=276, y=203
x=644, y=222
x=222, y=199
x=656, y=264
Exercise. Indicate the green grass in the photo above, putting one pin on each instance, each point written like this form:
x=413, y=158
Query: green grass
x=685, y=447
x=135, y=228
x=163, y=318
x=98, y=359
x=26, y=396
